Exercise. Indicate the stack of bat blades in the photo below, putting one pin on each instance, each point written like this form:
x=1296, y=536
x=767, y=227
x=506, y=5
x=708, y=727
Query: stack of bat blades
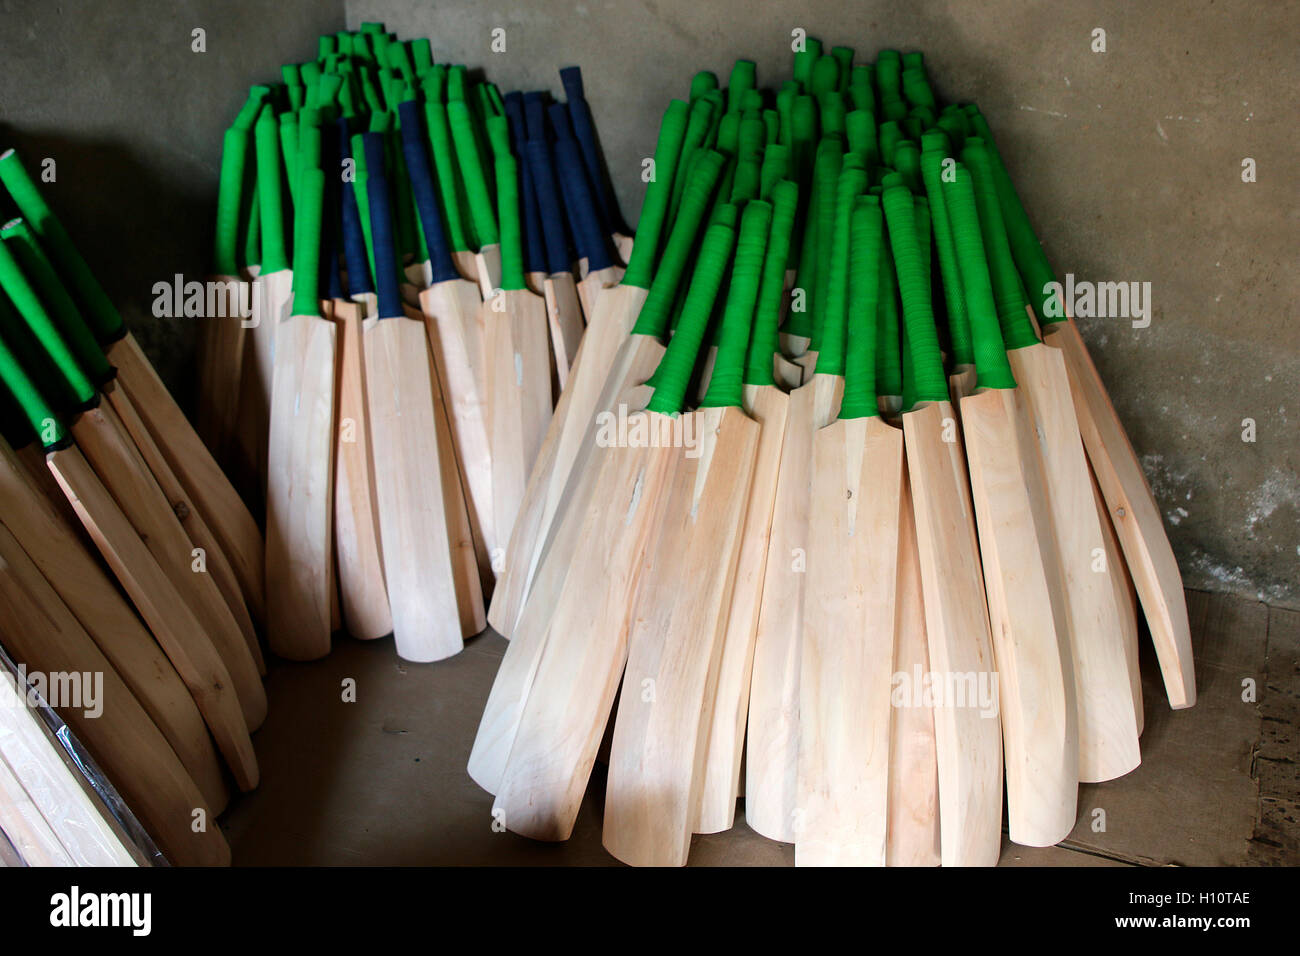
x=407, y=263
x=833, y=494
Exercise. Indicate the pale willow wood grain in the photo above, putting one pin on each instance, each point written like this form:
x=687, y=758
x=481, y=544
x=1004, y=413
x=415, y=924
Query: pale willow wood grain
x=564, y=321
x=199, y=473
x=21, y=819
x=454, y=325
x=31, y=760
x=593, y=285
x=968, y=745
x=62, y=558
x=913, y=771
x=849, y=631
x=1107, y=726
x=960, y=384
x=487, y=269
x=102, y=439
x=1134, y=515
x=39, y=630
x=1027, y=617
x=466, y=568
x=519, y=395
x=418, y=559
x=163, y=609
x=196, y=529
x=772, y=737
x=467, y=265
x=272, y=295
x=661, y=731
x=768, y=405
x=300, y=489
x=607, y=329
x=560, y=726
x=363, y=592
x=221, y=364
x=1125, y=601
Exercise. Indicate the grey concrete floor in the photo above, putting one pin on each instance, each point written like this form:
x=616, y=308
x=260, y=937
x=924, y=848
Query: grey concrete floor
x=382, y=781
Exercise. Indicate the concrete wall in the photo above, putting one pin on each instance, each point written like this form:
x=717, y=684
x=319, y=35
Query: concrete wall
x=133, y=119
x=1129, y=162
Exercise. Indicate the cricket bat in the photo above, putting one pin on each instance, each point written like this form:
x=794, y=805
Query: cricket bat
x=451, y=313
x=851, y=613
x=625, y=390
x=584, y=130
x=608, y=325
x=413, y=526
x=1021, y=575
x=189, y=458
x=1130, y=503
x=772, y=735
x=300, y=455
x=661, y=731
x=1107, y=722
x=465, y=140
x=39, y=629
x=101, y=436
x=161, y=606
x=516, y=352
x=222, y=334
x=765, y=401
x=567, y=699
x=363, y=592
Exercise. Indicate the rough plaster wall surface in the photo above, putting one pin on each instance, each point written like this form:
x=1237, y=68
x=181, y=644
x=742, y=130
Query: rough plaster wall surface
x=112, y=91
x=1129, y=162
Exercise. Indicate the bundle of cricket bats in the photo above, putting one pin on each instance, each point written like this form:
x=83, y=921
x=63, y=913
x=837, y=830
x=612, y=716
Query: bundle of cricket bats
x=127, y=560
x=406, y=260
x=833, y=486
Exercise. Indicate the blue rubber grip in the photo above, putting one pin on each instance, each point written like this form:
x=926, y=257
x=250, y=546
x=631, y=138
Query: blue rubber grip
x=534, y=257
x=330, y=282
x=538, y=154
x=585, y=132
x=591, y=239
x=535, y=115
x=381, y=227
x=416, y=153
x=354, y=239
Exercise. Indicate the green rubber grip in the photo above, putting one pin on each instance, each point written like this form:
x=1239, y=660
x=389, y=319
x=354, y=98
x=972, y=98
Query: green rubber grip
x=744, y=76
x=512, y=253
x=834, y=316
x=269, y=195
x=372, y=28
x=21, y=292
x=775, y=167
x=830, y=158
x=860, y=130
x=916, y=88
x=907, y=161
x=930, y=382
x=289, y=151
x=399, y=59
x=674, y=372
x=310, y=72
x=889, y=73
x=890, y=136
x=746, y=183
x=726, y=380
x=247, y=115
x=825, y=76
x=370, y=92
x=1028, y=252
x=991, y=367
x=803, y=128
x=325, y=46
x=771, y=288
x=699, y=129
x=802, y=322
x=655, y=312
x=889, y=369
x=933, y=154
x=832, y=114
x=866, y=234
x=422, y=54
x=1008, y=296
x=306, y=243
x=672, y=129
x=465, y=141
x=234, y=154
x=803, y=62
x=95, y=305
x=444, y=163
x=293, y=81
x=327, y=90
x=702, y=82
x=785, y=113
x=922, y=208
x=19, y=238
x=36, y=410
x=844, y=57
